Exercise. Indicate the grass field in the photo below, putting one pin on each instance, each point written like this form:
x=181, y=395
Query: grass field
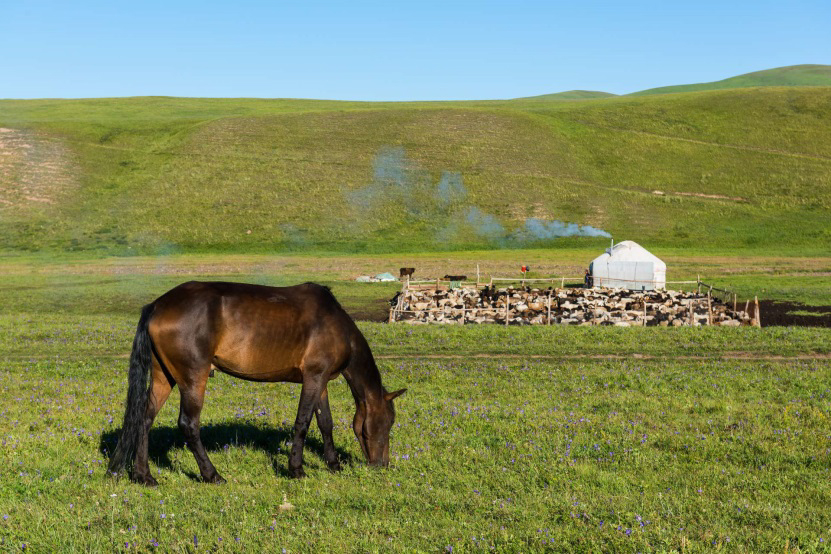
x=517, y=455
x=513, y=440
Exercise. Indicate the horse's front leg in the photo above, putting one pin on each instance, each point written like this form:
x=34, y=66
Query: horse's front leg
x=309, y=397
x=326, y=425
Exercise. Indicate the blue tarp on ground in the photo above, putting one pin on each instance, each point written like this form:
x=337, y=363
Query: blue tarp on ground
x=380, y=278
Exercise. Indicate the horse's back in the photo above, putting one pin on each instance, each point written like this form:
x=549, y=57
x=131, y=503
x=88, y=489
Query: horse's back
x=251, y=331
x=308, y=301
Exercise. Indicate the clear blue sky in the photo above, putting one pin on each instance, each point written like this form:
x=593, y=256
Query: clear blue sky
x=424, y=50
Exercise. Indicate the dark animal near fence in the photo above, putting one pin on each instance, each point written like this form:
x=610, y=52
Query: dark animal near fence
x=394, y=299
x=298, y=334
x=454, y=277
x=489, y=293
x=406, y=271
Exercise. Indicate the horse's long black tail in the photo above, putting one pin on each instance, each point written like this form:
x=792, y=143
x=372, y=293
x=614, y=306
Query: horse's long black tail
x=141, y=359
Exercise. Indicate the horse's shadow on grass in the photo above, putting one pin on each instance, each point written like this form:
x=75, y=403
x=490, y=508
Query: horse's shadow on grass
x=216, y=438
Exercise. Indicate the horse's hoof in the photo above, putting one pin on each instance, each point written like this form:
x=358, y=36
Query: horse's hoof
x=216, y=479
x=335, y=467
x=297, y=473
x=147, y=480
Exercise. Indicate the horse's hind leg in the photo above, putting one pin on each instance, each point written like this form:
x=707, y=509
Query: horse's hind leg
x=325, y=424
x=193, y=397
x=160, y=388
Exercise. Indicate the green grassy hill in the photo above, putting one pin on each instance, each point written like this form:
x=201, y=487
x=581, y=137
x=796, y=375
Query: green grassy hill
x=789, y=76
x=571, y=95
x=736, y=169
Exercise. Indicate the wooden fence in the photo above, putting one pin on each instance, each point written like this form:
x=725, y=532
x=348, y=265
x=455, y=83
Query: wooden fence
x=725, y=295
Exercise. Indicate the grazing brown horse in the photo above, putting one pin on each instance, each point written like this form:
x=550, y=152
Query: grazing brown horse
x=298, y=334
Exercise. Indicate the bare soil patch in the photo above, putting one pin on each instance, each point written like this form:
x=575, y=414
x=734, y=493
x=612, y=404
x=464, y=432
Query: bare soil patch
x=34, y=169
x=786, y=314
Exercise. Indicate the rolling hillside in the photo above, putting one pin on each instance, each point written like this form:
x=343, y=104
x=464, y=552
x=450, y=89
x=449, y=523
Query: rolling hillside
x=789, y=76
x=748, y=168
x=571, y=95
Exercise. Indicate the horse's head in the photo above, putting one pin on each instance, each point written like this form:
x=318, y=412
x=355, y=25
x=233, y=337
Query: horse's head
x=372, y=423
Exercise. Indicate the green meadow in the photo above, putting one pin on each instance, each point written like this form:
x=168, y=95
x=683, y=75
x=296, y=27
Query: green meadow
x=530, y=439
x=488, y=454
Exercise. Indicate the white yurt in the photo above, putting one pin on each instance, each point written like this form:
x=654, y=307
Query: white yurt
x=629, y=265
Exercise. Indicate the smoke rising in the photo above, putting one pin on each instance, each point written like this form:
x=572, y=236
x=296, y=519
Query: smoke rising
x=539, y=229
x=450, y=190
x=402, y=192
x=485, y=225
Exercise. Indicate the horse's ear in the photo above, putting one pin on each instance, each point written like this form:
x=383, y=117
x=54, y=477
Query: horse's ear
x=390, y=395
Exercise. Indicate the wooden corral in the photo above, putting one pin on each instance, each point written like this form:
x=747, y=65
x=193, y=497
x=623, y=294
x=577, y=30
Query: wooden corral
x=438, y=303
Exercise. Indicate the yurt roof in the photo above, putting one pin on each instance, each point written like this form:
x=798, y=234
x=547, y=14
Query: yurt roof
x=630, y=251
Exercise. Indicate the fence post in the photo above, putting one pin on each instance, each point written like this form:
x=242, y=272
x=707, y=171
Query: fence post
x=758, y=314
x=644, y=311
x=709, y=310
x=507, y=305
x=549, y=308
